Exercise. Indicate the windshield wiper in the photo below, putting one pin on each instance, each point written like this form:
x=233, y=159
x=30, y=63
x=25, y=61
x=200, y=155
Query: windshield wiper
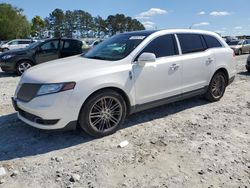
x=97, y=57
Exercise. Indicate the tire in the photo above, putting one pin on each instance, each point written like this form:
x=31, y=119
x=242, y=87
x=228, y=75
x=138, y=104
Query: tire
x=248, y=69
x=217, y=87
x=102, y=106
x=240, y=52
x=22, y=66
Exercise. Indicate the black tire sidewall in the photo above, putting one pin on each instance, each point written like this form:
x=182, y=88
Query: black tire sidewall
x=84, y=113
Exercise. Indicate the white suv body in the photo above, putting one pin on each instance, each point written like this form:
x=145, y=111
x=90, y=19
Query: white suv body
x=15, y=44
x=162, y=67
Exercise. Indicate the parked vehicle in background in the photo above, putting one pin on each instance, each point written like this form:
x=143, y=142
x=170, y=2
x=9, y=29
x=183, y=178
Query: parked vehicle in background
x=127, y=73
x=248, y=64
x=94, y=44
x=1, y=43
x=42, y=51
x=85, y=47
x=15, y=44
x=240, y=46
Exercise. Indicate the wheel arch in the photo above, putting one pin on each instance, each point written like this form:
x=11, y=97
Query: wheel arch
x=116, y=89
x=223, y=70
x=24, y=59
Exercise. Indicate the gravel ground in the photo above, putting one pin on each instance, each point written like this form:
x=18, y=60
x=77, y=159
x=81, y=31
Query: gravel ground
x=191, y=143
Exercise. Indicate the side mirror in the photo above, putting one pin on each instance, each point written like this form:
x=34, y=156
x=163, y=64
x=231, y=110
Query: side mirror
x=146, y=58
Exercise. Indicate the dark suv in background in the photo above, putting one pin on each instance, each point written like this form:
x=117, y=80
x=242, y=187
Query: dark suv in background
x=51, y=49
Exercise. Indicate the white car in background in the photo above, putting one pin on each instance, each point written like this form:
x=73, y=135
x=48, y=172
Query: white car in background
x=15, y=44
x=125, y=74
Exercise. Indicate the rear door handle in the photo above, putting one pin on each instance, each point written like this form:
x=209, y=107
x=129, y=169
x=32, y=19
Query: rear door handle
x=209, y=61
x=174, y=66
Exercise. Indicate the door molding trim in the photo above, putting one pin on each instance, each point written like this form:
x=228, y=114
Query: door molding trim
x=164, y=101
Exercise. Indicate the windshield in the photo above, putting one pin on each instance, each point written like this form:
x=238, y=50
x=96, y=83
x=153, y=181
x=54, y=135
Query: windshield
x=116, y=48
x=235, y=42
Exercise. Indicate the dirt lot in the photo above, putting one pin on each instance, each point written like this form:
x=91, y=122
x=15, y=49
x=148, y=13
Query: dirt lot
x=187, y=144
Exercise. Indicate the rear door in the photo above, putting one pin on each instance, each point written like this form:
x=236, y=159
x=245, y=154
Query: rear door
x=197, y=62
x=48, y=51
x=70, y=48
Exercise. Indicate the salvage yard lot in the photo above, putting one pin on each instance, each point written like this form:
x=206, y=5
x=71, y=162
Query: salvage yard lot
x=191, y=143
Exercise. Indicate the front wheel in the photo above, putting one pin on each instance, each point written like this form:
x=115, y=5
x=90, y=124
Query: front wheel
x=22, y=66
x=217, y=87
x=5, y=50
x=240, y=52
x=103, y=113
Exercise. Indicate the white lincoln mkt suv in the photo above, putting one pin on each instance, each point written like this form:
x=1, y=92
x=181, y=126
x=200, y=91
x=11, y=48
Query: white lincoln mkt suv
x=125, y=74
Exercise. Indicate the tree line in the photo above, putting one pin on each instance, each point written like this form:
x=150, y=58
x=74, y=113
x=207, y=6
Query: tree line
x=13, y=24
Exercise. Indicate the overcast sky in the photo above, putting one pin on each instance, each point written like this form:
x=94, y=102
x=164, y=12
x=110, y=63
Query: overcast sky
x=228, y=17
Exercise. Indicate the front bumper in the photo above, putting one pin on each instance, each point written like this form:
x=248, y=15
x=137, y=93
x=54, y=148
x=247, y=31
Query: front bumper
x=248, y=66
x=48, y=112
x=8, y=66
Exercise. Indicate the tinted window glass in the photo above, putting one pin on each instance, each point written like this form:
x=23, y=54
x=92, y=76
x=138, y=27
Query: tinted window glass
x=74, y=45
x=191, y=43
x=51, y=45
x=13, y=43
x=162, y=46
x=212, y=42
x=23, y=42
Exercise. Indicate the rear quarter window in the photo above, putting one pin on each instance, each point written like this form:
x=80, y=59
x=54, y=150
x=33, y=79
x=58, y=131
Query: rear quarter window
x=212, y=42
x=191, y=43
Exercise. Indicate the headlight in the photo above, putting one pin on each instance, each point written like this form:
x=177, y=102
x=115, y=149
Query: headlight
x=55, y=88
x=7, y=57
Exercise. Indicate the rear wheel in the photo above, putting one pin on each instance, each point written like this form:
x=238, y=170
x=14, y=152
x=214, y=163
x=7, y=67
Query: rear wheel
x=217, y=87
x=103, y=113
x=22, y=66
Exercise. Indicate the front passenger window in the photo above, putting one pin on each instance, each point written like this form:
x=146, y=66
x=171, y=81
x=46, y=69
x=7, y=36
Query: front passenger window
x=50, y=46
x=162, y=46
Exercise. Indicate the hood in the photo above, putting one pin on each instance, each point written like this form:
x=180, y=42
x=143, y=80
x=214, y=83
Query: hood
x=67, y=69
x=22, y=51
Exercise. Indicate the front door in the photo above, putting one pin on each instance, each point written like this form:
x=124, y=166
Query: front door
x=48, y=51
x=162, y=78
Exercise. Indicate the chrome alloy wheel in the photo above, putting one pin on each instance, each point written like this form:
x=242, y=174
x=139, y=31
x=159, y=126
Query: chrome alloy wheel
x=105, y=114
x=22, y=67
x=218, y=86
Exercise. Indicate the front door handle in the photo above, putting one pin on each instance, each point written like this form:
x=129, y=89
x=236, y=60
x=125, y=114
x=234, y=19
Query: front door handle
x=174, y=66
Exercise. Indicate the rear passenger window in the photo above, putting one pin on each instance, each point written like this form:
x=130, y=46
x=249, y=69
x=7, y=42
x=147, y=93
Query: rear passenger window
x=23, y=42
x=191, y=43
x=212, y=42
x=72, y=45
x=162, y=46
